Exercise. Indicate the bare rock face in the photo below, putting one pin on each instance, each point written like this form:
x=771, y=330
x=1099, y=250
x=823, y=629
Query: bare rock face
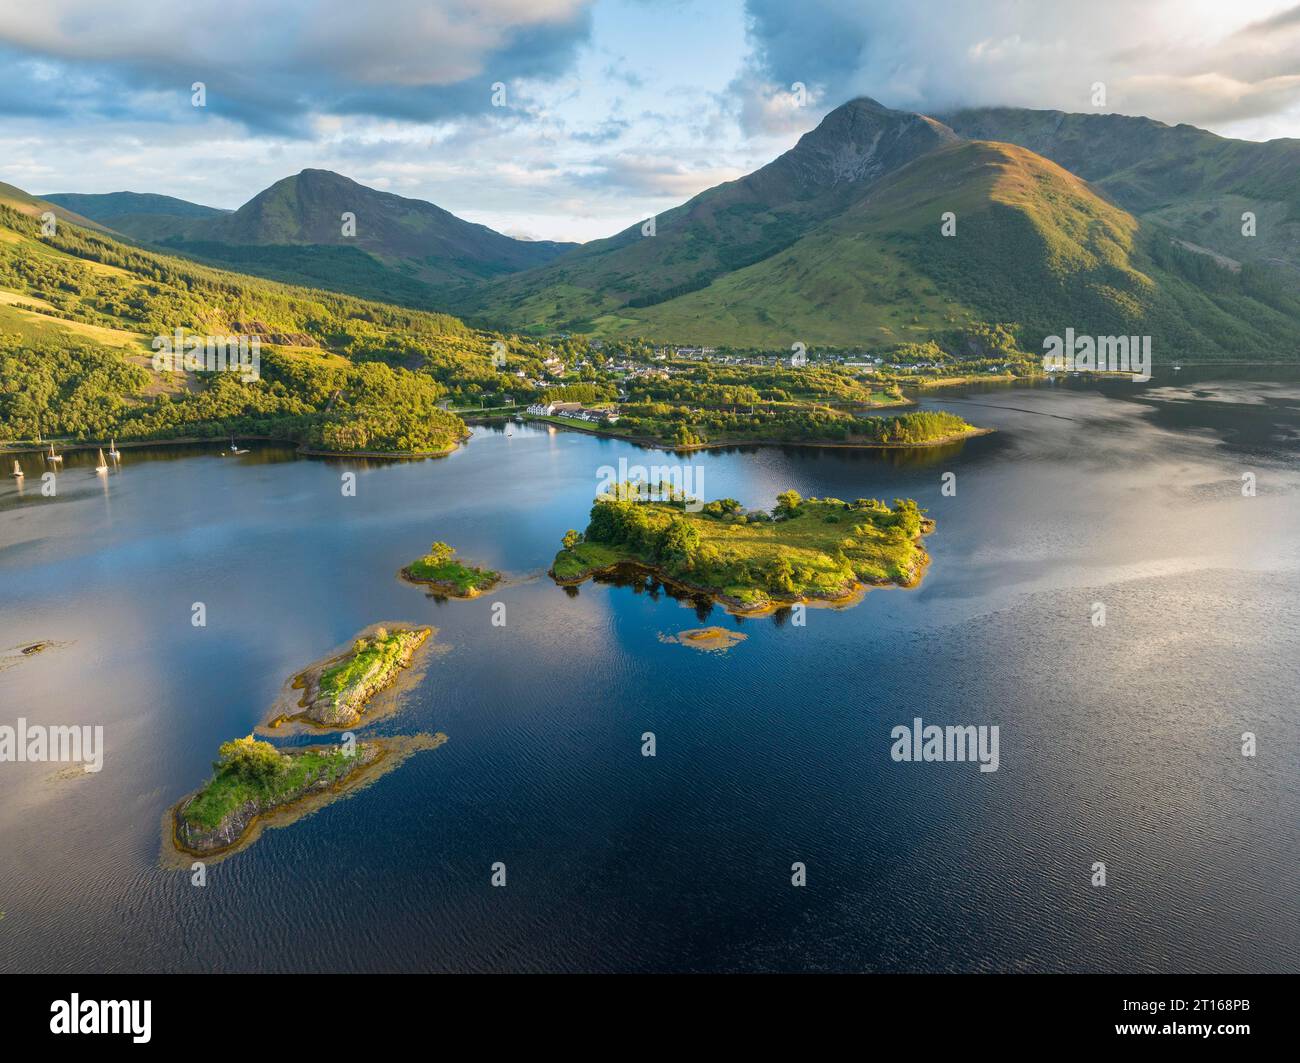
x=861, y=142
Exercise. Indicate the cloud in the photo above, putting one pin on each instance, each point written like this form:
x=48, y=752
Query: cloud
x=271, y=67
x=654, y=176
x=1196, y=61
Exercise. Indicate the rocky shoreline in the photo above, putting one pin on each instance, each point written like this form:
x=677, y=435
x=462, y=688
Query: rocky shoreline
x=345, y=708
x=198, y=841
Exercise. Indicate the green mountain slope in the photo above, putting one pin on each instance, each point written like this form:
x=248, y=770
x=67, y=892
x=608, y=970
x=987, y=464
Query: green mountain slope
x=142, y=216
x=25, y=203
x=721, y=230
x=839, y=242
x=404, y=250
x=1193, y=182
x=1034, y=245
x=80, y=310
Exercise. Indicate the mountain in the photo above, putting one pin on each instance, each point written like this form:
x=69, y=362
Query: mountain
x=1034, y=245
x=81, y=311
x=720, y=230
x=839, y=241
x=25, y=203
x=142, y=216
x=404, y=250
x=1191, y=181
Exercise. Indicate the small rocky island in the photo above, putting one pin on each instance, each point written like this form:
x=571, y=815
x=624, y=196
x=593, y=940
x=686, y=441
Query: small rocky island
x=707, y=639
x=444, y=574
x=335, y=691
x=806, y=550
x=254, y=782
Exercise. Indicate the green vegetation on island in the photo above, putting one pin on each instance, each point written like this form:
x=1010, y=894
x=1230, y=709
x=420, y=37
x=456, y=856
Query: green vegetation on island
x=254, y=785
x=805, y=550
x=440, y=569
x=252, y=777
x=335, y=693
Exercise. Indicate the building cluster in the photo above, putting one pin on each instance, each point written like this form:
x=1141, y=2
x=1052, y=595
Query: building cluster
x=574, y=411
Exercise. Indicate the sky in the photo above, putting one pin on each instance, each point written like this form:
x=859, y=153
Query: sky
x=572, y=119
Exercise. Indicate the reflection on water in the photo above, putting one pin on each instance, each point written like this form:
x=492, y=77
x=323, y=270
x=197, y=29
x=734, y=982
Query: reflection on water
x=1119, y=743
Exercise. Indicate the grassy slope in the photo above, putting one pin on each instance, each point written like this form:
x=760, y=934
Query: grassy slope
x=404, y=249
x=1034, y=244
x=82, y=290
x=28, y=204
x=1191, y=180
x=723, y=229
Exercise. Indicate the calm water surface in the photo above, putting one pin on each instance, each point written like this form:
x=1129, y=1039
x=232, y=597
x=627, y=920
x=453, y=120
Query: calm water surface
x=1118, y=744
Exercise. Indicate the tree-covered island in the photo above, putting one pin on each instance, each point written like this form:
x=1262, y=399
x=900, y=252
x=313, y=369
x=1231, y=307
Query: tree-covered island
x=804, y=550
x=444, y=574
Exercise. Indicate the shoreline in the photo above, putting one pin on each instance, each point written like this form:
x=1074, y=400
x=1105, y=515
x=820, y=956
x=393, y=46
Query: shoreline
x=299, y=448
x=654, y=444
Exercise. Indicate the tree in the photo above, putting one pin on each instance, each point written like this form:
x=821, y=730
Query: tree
x=255, y=760
x=439, y=553
x=572, y=538
x=787, y=503
x=678, y=542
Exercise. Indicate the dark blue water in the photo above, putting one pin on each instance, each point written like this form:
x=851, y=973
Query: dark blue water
x=1118, y=744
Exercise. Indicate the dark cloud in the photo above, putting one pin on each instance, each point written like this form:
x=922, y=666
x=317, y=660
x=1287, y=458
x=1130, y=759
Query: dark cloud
x=274, y=67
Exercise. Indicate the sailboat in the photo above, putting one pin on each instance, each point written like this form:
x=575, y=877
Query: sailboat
x=103, y=465
x=112, y=449
x=18, y=470
x=52, y=456
x=234, y=449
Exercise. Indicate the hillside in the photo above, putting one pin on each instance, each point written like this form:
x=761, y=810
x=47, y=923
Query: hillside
x=1034, y=245
x=1194, y=182
x=79, y=310
x=404, y=250
x=142, y=216
x=25, y=203
x=839, y=242
x=721, y=230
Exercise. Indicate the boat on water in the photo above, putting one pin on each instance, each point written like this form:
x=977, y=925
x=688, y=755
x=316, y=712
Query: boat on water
x=234, y=449
x=52, y=456
x=103, y=463
x=112, y=449
x=18, y=470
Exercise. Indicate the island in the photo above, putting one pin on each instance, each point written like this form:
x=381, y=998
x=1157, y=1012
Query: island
x=792, y=424
x=440, y=570
x=707, y=639
x=806, y=550
x=336, y=690
x=254, y=784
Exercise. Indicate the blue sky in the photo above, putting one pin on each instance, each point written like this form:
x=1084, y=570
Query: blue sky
x=616, y=109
